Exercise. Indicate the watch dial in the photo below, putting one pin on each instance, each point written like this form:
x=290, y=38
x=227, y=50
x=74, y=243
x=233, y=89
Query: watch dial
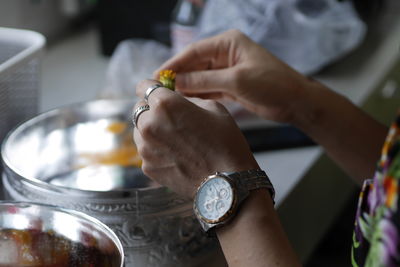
x=214, y=198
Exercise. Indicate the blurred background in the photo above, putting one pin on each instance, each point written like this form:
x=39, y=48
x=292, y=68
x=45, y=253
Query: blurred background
x=100, y=49
x=84, y=34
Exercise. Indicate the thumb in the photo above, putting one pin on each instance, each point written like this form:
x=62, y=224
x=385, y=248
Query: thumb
x=204, y=82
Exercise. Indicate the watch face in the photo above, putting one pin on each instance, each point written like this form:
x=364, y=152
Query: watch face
x=214, y=199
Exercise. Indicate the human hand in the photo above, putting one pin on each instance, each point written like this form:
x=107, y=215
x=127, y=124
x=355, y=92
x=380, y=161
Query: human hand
x=182, y=141
x=231, y=66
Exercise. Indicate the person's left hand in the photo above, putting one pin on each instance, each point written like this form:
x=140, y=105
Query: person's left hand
x=182, y=141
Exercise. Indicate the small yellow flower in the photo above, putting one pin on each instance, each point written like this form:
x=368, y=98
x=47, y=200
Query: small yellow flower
x=167, y=78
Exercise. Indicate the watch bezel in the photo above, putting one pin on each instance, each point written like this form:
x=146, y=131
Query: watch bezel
x=231, y=209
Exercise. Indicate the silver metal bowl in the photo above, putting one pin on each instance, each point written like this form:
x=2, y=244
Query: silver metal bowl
x=62, y=157
x=42, y=235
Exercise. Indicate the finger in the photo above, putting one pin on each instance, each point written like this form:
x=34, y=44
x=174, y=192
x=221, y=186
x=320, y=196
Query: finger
x=195, y=66
x=142, y=86
x=137, y=112
x=139, y=103
x=205, y=54
x=209, y=81
x=203, y=95
x=159, y=93
x=210, y=105
x=138, y=139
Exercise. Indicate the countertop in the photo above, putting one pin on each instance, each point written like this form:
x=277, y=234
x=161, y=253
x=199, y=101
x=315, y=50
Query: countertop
x=73, y=72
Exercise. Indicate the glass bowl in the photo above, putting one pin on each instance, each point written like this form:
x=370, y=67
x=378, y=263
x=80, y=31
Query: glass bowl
x=34, y=234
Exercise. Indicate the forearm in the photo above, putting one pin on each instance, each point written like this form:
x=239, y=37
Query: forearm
x=255, y=236
x=350, y=136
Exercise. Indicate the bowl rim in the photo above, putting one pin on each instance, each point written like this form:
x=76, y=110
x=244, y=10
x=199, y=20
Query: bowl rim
x=78, y=214
x=7, y=165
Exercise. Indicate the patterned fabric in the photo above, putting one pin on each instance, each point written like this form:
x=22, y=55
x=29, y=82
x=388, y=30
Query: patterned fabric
x=377, y=226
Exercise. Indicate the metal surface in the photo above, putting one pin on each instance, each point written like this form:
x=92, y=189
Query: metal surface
x=74, y=227
x=49, y=159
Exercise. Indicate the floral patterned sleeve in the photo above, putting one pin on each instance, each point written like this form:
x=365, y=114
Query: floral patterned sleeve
x=377, y=225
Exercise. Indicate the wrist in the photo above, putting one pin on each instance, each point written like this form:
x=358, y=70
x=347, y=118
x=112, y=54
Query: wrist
x=311, y=107
x=257, y=233
x=257, y=209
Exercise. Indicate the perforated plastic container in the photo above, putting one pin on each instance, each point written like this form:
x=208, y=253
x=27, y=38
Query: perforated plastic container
x=20, y=54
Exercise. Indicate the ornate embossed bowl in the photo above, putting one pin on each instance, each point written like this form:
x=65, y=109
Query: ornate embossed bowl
x=82, y=157
x=42, y=235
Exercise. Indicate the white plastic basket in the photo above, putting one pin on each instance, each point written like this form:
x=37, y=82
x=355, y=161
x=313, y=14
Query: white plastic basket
x=20, y=54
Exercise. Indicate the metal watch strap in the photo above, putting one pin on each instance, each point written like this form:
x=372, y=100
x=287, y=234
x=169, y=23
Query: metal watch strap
x=253, y=179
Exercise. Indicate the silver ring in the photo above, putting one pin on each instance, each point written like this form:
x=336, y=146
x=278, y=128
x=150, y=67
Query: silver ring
x=150, y=90
x=137, y=112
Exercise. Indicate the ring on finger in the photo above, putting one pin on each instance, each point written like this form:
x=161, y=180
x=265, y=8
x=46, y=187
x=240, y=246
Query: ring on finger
x=150, y=90
x=139, y=110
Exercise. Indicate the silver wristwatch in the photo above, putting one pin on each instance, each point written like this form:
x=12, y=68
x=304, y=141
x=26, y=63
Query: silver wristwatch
x=219, y=195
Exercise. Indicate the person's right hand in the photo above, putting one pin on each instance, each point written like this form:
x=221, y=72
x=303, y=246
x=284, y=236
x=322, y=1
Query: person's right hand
x=231, y=66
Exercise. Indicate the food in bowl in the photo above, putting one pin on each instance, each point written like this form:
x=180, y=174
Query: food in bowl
x=36, y=248
x=34, y=235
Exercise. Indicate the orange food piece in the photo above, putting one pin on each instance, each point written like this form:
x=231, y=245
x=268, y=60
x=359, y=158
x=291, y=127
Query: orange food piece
x=117, y=127
x=123, y=156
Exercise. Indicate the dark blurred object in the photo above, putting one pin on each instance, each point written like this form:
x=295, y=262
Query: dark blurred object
x=369, y=10
x=184, y=24
x=120, y=20
x=273, y=138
